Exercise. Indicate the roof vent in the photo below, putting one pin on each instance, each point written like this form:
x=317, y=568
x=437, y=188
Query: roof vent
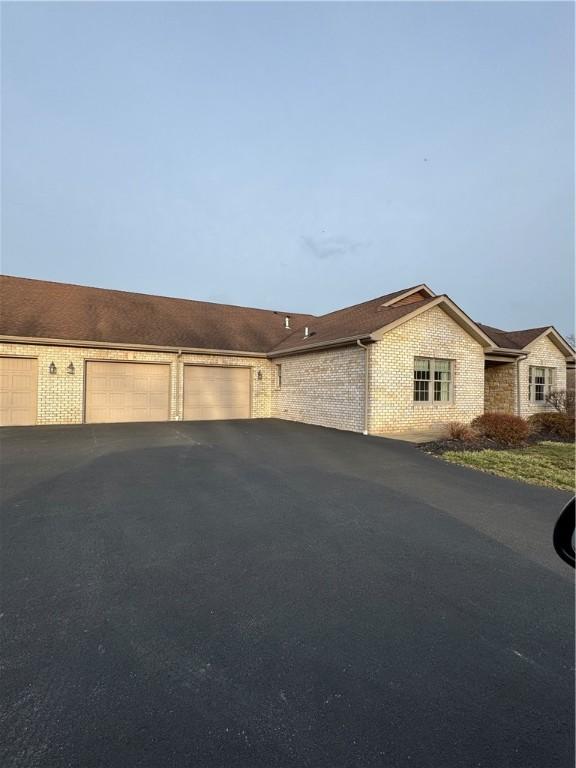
x=306, y=332
x=287, y=322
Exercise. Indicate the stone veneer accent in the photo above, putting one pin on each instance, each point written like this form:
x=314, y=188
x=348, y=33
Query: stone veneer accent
x=324, y=388
x=571, y=379
x=500, y=388
x=433, y=333
x=541, y=352
x=61, y=395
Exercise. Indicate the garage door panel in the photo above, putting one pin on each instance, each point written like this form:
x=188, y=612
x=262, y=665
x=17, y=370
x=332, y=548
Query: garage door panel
x=142, y=384
x=212, y=392
x=20, y=400
x=18, y=391
x=121, y=392
x=214, y=397
x=213, y=414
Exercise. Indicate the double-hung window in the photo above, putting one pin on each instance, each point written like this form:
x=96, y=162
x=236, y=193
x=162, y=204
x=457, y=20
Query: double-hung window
x=540, y=383
x=432, y=380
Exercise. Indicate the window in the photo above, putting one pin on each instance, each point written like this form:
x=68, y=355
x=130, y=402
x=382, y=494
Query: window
x=438, y=372
x=278, y=376
x=539, y=383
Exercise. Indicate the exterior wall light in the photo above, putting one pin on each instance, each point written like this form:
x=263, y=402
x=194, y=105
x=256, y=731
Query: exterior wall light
x=259, y=375
x=71, y=368
x=52, y=368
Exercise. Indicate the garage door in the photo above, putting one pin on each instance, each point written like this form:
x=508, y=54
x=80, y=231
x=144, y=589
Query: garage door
x=216, y=393
x=127, y=392
x=18, y=391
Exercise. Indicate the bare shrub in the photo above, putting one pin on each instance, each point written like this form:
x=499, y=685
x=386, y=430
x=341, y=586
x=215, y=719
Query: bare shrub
x=457, y=430
x=562, y=400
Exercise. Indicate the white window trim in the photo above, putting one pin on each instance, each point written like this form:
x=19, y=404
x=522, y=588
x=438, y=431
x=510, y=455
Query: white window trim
x=547, y=387
x=431, y=401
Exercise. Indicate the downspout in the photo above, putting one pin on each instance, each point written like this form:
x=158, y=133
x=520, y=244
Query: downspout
x=518, y=398
x=179, y=395
x=366, y=383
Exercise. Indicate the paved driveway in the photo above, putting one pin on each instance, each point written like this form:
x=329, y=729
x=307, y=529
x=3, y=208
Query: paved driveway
x=261, y=594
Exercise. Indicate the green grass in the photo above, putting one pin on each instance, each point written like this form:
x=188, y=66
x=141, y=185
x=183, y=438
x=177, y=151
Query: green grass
x=549, y=464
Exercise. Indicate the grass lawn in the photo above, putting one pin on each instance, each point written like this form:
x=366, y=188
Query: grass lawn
x=549, y=464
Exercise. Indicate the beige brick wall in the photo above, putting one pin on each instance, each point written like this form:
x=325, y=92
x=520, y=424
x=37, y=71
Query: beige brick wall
x=430, y=334
x=324, y=388
x=500, y=388
x=61, y=395
x=542, y=352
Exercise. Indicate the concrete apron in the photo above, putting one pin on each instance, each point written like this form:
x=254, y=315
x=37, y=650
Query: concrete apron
x=415, y=435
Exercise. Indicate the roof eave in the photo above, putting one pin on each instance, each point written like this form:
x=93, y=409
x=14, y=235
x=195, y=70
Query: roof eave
x=321, y=345
x=505, y=351
x=124, y=345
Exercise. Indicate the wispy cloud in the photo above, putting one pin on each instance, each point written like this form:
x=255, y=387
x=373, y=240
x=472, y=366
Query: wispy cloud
x=332, y=247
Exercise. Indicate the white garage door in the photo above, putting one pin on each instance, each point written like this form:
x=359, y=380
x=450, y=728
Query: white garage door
x=18, y=391
x=127, y=392
x=212, y=392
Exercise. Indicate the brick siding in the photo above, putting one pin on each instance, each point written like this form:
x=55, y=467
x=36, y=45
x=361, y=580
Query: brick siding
x=542, y=353
x=324, y=388
x=431, y=334
x=61, y=395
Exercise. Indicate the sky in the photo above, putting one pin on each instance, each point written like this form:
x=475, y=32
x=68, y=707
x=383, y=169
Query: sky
x=294, y=156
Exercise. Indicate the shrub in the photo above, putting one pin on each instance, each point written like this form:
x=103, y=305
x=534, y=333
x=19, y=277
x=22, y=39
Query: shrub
x=553, y=423
x=457, y=430
x=562, y=400
x=503, y=428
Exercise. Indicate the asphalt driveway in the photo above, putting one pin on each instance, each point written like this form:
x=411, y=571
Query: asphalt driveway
x=265, y=594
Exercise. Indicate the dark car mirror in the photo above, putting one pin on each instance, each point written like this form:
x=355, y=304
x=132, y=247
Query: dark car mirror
x=564, y=534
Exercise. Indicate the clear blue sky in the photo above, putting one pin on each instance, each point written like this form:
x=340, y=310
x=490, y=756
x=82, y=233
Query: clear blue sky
x=294, y=156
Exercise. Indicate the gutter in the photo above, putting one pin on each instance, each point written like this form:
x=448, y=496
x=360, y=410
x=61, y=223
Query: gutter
x=319, y=345
x=119, y=345
x=366, y=383
x=503, y=351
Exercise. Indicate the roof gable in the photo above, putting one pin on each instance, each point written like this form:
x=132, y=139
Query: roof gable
x=350, y=323
x=450, y=308
x=557, y=339
x=520, y=340
x=373, y=319
x=410, y=296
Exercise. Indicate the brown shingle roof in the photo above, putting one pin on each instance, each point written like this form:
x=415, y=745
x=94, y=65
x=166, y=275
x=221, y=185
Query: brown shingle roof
x=512, y=339
x=48, y=310
x=352, y=322
x=41, y=309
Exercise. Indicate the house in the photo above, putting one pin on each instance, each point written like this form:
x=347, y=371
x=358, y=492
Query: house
x=411, y=359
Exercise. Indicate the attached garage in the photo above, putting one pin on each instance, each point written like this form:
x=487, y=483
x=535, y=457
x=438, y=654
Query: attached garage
x=118, y=392
x=216, y=392
x=18, y=391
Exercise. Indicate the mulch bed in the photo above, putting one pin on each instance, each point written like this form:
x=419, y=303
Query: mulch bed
x=438, y=447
